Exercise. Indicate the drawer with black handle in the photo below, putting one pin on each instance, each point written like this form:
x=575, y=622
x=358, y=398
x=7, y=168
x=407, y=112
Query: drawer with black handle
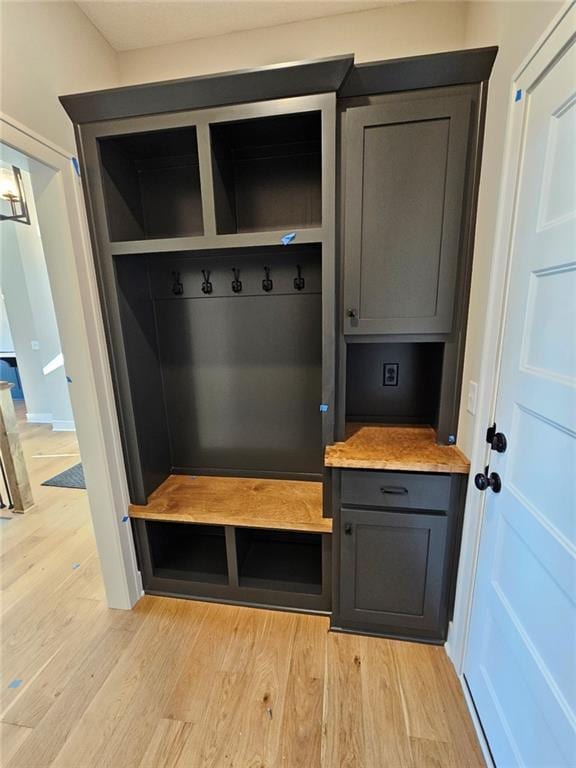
x=396, y=490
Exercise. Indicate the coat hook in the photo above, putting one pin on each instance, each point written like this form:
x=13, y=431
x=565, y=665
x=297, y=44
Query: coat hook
x=177, y=286
x=236, y=283
x=299, y=281
x=206, y=284
x=267, y=283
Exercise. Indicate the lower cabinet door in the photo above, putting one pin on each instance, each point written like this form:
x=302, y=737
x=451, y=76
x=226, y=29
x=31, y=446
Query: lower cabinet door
x=392, y=572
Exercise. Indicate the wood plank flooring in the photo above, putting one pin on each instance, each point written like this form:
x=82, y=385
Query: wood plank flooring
x=182, y=684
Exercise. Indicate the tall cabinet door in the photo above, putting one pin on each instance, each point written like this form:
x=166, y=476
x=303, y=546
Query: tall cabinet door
x=405, y=171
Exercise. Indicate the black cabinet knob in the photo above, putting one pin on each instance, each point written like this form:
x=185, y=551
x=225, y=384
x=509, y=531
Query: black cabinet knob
x=483, y=481
x=348, y=529
x=351, y=313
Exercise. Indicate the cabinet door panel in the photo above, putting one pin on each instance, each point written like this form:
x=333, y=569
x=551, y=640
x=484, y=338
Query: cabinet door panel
x=392, y=567
x=405, y=176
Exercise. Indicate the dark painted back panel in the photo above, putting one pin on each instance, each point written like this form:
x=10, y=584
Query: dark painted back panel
x=268, y=173
x=242, y=378
x=143, y=363
x=151, y=184
x=415, y=398
x=242, y=372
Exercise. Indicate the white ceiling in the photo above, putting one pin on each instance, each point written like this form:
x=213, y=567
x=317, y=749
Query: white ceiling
x=128, y=24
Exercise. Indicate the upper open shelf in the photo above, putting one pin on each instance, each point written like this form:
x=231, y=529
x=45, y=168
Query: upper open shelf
x=151, y=184
x=268, y=173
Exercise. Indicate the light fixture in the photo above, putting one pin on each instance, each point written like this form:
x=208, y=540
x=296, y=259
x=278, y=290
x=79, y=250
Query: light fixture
x=12, y=190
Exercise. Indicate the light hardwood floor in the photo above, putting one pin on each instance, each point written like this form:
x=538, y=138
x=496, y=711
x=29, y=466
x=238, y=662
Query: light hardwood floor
x=182, y=684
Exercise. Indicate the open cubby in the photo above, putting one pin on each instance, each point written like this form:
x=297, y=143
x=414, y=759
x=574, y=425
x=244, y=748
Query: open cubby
x=285, y=561
x=151, y=184
x=225, y=383
x=393, y=383
x=187, y=551
x=268, y=173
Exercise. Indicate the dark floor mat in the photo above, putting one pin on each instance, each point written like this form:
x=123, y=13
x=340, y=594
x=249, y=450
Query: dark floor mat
x=70, y=478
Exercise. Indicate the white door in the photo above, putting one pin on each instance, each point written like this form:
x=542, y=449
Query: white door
x=520, y=665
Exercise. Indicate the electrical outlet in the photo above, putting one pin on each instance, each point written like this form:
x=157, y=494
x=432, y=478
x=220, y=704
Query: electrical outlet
x=472, y=397
x=390, y=374
x=35, y=345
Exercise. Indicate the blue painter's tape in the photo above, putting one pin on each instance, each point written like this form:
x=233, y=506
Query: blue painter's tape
x=76, y=165
x=68, y=379
x=518, y=95
x=125, y=519
x=15, y=684
x=75, y=566
x=323, y=408
x=287, y=239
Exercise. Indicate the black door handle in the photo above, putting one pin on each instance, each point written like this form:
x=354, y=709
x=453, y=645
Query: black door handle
x=483, y=481
x=352, y=313
x=348, y=529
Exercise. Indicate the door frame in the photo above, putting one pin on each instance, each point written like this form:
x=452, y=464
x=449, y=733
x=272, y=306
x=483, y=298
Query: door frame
x=555, y=39
x=64, y=230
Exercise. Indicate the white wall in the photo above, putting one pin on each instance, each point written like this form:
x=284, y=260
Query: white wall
x=515, y=28
x=28, y=299
x=49, y=49
x=401, y=30
x=6, y=340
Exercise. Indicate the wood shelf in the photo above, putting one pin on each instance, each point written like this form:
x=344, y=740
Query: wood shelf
x=410, y=449
x=243, y=502
x=304, y=236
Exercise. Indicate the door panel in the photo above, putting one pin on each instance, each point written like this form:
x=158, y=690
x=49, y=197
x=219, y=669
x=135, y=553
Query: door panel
x=521, y=660
x=392, y=567
x=405, y=175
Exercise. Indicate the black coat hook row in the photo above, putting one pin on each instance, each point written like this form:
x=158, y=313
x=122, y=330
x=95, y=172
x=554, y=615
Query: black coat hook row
x=208, y=288
x=206, y=284
x=236, y=283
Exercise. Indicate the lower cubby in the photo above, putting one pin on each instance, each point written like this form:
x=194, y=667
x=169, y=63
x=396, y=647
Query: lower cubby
x=280, y=560
x=283, y=569
x=189, y=552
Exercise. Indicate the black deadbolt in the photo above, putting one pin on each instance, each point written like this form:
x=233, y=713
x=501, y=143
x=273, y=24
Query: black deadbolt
x=348, y=529
x=499, y=442
x=483, y=481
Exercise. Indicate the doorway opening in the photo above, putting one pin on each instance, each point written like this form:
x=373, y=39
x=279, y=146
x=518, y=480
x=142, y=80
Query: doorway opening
x=31, y=359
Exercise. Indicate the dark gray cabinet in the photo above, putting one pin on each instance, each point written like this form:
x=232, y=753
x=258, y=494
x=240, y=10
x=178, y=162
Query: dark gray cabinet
x=397, y=539
x=212, y=210
x=405, y=173
x=392, y=566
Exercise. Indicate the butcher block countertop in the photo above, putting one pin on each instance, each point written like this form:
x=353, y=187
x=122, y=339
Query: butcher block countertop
x=278, y=504
x=411, y=449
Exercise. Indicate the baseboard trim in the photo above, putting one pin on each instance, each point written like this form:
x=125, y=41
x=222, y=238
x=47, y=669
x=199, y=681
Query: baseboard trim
x=63, y=426
x=39, y=418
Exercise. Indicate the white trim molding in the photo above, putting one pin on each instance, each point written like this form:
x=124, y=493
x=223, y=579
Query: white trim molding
x=60, y=425
x=39, y=418
x=70, y=266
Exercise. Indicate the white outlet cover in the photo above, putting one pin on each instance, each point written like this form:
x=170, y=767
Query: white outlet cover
x=472, y=397
x=35, y=345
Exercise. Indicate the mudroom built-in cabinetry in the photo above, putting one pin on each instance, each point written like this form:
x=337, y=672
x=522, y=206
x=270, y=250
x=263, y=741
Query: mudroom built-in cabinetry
x=283, y=257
